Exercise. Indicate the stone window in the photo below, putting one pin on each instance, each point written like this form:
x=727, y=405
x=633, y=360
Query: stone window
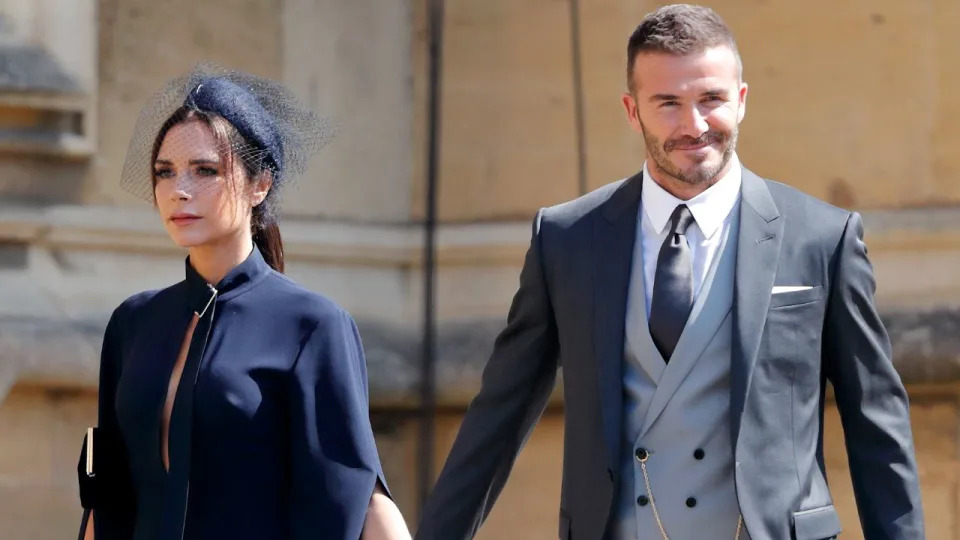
x=48, y=77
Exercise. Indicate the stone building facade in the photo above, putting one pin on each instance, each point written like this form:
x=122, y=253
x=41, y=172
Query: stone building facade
x=855, y=103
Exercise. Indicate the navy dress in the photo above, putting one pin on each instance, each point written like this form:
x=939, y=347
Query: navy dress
x=270, y=434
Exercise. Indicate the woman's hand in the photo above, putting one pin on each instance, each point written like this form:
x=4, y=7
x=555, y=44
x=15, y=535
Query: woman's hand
x=88, y=534
x=384, y=521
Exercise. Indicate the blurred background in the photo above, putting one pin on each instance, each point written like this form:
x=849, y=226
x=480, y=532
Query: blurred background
x=856, y=102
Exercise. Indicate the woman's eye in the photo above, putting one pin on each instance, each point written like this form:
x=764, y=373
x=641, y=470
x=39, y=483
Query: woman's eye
x=206, y=171
x=163, y=173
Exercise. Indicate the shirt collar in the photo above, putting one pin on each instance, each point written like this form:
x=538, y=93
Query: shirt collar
x=709, y=208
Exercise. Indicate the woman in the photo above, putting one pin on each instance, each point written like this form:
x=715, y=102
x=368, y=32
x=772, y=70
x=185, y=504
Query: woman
x=234, y=403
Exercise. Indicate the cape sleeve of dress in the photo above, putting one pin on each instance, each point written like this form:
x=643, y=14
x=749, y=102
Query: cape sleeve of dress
x=334, y=461
x=110, y=493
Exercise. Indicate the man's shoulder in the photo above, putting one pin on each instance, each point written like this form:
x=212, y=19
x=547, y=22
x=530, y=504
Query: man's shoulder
x=796, y=204
x=569, y=213
x=808, y=220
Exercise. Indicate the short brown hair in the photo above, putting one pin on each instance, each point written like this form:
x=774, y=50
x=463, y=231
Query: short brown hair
x=678, y=29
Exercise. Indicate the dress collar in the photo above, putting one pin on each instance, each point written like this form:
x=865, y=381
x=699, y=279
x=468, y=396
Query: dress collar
x=243, y=277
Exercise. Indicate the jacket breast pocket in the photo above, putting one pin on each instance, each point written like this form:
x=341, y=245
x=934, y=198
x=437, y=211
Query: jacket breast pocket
x=816, y=524
x=790, y=349
x=795, y=298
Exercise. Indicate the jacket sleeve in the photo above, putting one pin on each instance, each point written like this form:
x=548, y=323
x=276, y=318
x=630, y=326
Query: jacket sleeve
x=871, y=398
x=516, y=385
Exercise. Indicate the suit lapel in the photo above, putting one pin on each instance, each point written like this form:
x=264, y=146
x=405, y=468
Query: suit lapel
x=614, y=235
x=758, y=254
x=710, y=309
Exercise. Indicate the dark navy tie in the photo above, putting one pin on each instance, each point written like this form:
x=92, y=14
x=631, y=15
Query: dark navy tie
x=672, y=298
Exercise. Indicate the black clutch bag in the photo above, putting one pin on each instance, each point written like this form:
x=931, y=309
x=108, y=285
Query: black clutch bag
x=103, y=475
x=86, y=476
x=102, y=470
x=91, y=455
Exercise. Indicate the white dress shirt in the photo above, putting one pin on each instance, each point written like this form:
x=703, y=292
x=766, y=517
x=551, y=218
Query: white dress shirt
x=712, y=211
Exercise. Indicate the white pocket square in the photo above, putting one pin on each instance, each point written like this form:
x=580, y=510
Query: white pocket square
x=780, y=289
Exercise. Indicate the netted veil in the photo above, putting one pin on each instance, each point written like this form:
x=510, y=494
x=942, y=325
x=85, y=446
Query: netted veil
x=279, y=132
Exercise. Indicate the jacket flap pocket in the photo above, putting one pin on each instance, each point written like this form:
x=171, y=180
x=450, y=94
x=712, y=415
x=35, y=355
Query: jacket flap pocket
x=817, y=523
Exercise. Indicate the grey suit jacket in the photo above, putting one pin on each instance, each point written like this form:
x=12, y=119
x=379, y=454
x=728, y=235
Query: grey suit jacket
x=570, y=309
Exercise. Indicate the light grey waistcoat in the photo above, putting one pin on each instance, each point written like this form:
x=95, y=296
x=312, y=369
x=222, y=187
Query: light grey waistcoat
x=679, y=414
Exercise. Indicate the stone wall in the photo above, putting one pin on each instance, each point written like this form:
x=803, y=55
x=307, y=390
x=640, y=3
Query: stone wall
x=852, y=103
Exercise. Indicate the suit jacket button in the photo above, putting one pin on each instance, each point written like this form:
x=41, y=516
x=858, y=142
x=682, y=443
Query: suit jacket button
x=698, y=454
x=691, y=502
x=642, y=454
x=643, y=500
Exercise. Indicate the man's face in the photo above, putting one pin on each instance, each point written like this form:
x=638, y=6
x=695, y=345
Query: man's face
x=688, y=109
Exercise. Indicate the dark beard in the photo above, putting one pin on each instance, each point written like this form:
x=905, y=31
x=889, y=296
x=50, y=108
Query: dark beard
x=657, y=152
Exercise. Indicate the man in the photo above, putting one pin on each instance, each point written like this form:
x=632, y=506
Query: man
x=697, y=311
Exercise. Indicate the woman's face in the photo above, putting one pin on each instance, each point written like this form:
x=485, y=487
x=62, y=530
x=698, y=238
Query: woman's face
x=201, y=197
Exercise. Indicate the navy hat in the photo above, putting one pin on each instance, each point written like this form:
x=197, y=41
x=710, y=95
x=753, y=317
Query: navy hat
x=284, y=131
x=242, y=109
